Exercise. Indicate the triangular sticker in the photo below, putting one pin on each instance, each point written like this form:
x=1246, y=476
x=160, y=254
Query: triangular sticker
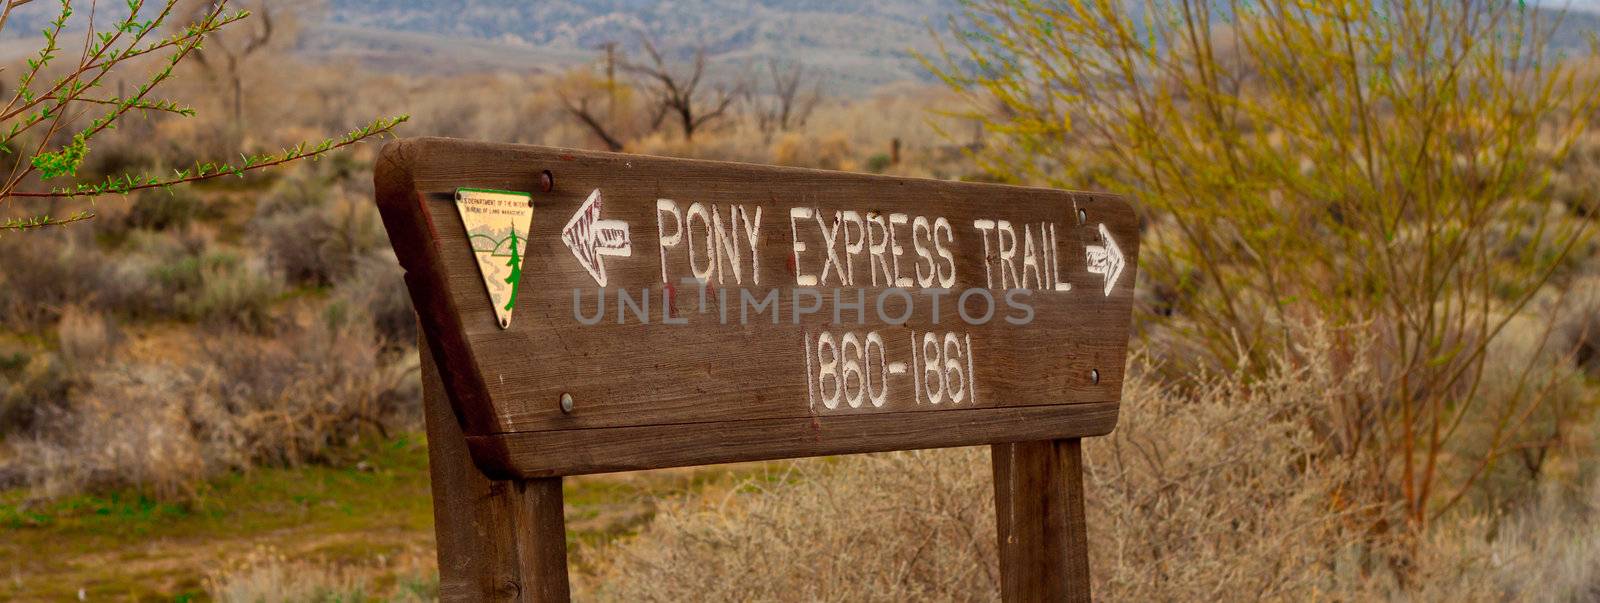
x=497, y=226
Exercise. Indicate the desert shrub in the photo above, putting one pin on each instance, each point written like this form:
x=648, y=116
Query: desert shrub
x=1539, y=393
x=315, y=235
x=376, y=294
x=878, y=163
x=1577, y=184
x=217, y=287
x=151, y=276
x=85, y=336
x=43, y=274
x=304, y=398
x=233, y=291
x=163, y=210
x=712, y=145
x=125, y=156
x=36, y=385
x=1576, y=318
x=304, y=188
x=831, y=151
x=893, y=527
x=241, y=401
x=1184, y=506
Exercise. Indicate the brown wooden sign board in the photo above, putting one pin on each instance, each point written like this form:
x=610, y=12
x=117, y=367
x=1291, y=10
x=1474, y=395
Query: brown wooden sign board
x=659, y=312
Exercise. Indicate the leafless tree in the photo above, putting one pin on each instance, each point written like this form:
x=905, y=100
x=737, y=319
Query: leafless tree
x=794, y=95
x=682, y=95
x=576, y=94
x=223, y=57
x=579, y=108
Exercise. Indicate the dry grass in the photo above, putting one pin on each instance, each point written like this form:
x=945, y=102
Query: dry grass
x=895, y=527
x=266, y=575
x=1186, y=504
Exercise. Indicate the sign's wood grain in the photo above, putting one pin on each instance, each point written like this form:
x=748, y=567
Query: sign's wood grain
x=669, y=382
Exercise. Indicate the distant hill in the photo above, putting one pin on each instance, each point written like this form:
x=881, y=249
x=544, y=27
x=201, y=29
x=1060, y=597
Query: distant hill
x=857, y=44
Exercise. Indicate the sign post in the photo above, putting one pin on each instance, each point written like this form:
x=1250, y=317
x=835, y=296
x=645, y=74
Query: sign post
x=596, y=312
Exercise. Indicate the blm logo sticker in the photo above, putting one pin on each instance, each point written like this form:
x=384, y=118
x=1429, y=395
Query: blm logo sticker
x=497, y=225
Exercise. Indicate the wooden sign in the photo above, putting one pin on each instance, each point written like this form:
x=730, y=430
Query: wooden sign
x=671, y=312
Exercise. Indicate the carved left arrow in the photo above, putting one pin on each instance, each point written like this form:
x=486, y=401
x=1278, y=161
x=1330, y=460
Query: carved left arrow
x=1106, y=259
x=591, y=238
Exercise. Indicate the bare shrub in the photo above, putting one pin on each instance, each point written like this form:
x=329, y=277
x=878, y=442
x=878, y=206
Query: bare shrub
x=218, y=288
x=1544, y=552
x=377, y=294
x=235, y=291
x=131, y=428
x=895, y=527
x=1577, y=184
x=164, y=210
x=1185, y=505
x=85, y=336
x=43, y=274
x=830, y=151
x=303, y=397
x=315, y=235
x=711, y=145
x=1576, y=318
x=36, y=388
x=245, y=401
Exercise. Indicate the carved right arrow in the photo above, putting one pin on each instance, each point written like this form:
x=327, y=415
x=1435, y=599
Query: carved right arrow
x=1107, y=259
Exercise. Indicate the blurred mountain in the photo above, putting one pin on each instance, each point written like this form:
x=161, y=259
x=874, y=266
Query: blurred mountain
x=856, y=45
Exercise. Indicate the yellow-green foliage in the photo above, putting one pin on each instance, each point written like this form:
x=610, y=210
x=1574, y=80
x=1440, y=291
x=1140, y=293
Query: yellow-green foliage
x=1379, y=164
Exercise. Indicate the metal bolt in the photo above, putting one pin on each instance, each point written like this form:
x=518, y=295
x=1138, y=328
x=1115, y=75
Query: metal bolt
x=566, y=402
x=1083, y=216
x=1094, y=375
x=547, y=181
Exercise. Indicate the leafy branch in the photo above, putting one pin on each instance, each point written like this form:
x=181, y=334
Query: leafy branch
x=128, y=183
x=38, y=116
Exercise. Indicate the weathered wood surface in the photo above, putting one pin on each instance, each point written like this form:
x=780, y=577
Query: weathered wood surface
x=497, y=540
x=672, y=446
x=712, y=392
x=1039, y=518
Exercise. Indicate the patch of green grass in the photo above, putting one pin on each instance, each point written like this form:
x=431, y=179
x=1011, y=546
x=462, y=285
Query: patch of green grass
x=374, y=502
x=164, y=549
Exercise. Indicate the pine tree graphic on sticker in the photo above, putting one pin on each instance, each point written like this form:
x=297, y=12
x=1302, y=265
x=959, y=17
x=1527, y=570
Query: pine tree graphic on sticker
x=515, y=279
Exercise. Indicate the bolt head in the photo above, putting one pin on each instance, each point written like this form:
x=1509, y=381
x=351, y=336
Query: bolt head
x=566, y=402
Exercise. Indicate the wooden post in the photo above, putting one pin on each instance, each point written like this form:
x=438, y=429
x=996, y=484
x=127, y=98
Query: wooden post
x=1044, y=544
x=502, y=540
